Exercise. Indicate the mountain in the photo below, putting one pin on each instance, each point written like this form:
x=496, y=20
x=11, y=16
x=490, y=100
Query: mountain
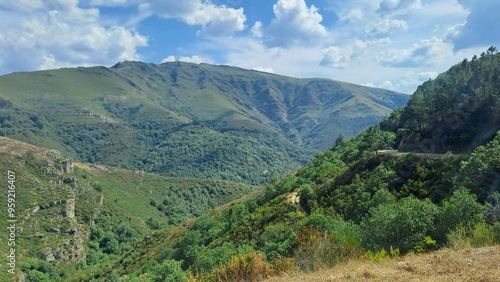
x=182, y=119
x=361, y=200
x=457, y=111
x=69, y=214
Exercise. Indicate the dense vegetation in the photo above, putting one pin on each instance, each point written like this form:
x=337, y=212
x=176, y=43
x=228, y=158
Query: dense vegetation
x=354, y=200
x=77, y=219
x=457, y=111
x=180, y=119
x=359, y=199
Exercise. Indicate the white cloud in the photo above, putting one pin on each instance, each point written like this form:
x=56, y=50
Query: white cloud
x=386, y=26
x=294, y=23
x=168, y=59
x=480, y=26
x=256, y=29
x=263, y=69
x=396, y=7
x=214, y=20
x=109, y=3
x=340, y=57
x=193, y=59
x=424, y=53
x=355, y=14
x=66, y=36
x=336, y=56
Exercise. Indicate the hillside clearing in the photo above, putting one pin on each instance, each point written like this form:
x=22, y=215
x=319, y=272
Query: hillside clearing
x=481, y=264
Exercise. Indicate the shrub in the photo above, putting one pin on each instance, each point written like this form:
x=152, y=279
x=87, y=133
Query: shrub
x=315, y=249
x=462, y=209
x=402, y=225
x=482, y=234
x=245, y=267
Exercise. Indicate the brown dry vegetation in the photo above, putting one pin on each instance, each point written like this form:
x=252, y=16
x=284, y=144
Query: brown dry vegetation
x=480, y=264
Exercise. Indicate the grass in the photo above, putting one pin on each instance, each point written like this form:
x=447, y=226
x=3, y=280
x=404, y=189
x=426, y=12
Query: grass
x=471, y=264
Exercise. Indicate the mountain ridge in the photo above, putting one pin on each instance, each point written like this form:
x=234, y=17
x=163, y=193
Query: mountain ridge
x=137, y=115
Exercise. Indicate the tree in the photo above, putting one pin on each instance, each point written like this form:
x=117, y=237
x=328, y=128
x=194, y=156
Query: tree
x=462, y=209
x=402, y=225
x=168, y=271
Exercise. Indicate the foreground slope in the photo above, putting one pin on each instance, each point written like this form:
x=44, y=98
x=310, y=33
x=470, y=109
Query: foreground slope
x=182, y=119
x=479, y=264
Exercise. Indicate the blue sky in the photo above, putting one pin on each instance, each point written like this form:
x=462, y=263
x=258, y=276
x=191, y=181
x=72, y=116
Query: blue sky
x=393, y=44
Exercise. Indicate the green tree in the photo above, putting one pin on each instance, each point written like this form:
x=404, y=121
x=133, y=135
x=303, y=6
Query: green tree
x=168, y=271
x=462, y=209
x=277, y=240
x=402, y=225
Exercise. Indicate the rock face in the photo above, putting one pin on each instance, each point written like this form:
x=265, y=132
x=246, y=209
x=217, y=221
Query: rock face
x=66, y=165
x=50, y=224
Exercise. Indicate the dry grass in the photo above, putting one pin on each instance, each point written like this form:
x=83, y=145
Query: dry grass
x=482, y=264
x=18, y=148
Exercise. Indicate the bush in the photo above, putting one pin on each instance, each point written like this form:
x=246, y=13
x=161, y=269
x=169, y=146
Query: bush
x=482, y=234
x=462, y=209
x=402, y=225
x=168, y=271
x=245, y=267
x=315, y=249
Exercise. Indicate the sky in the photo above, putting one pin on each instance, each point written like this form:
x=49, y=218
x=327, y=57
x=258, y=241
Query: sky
x=392, y=44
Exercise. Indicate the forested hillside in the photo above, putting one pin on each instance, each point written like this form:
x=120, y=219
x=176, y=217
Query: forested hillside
x=181, y=119
x=352, y=201
x=457, y=111
x=361, y=199
x=73, y=214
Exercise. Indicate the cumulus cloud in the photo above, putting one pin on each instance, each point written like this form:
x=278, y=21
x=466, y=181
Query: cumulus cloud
x=214, y=20
x=355, y=14
x=480, y=27
x=22, y=5
x=109, y=3
x=395, y=7
x=60, y=34
x=294, y=23
x=193, y=59
x=256, y=29
x=426, y=52
x=340, y=57
x=386, y=26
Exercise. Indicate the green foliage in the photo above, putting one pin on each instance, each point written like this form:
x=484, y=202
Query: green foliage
x=245, y=267
x=315, y=249
x=168, y=271
x=205, y=122
x=427, y=245
x=402, y=225
x=40, y=270
x=480, y=173
x=479, y=235
x=456, y=111
x=461, y=209
x=277, y=241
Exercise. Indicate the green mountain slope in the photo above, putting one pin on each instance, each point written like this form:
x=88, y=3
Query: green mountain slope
x=73, y=214
x=181, y=119
x=457, y=111
x=352, y=201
